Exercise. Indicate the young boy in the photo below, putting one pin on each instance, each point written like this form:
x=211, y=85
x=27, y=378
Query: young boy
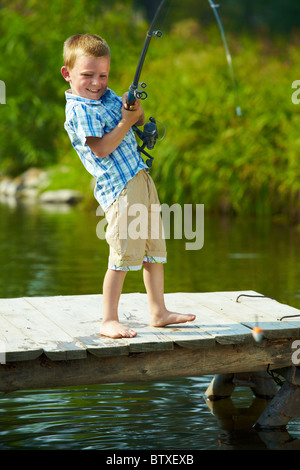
x=99, y=124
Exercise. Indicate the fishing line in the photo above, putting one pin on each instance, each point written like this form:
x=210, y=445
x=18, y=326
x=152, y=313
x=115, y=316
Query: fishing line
x=228, y=55
x=257, y=332
x=267, y=297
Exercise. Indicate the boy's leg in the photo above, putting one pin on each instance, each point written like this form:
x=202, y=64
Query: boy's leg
x=154, y=282
x=112, y=289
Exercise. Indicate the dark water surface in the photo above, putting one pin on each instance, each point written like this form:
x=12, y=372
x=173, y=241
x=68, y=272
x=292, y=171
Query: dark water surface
x=45, y=251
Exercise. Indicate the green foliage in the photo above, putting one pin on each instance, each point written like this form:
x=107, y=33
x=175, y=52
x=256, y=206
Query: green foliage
x=31, y=43
x=270, y=16
x=209, y=155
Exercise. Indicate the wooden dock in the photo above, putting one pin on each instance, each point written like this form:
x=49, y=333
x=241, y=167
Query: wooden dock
x=49, y=342
x=66, y=329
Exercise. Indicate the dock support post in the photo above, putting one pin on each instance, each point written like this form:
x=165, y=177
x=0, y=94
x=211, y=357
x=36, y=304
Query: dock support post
x=223, y=385
x=286, y=403
x=220, y=387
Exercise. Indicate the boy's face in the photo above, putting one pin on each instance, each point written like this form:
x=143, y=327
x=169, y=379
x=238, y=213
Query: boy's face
x=89, y=76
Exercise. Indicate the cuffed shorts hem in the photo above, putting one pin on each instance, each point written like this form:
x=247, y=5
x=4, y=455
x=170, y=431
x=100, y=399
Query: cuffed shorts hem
x=147, y=259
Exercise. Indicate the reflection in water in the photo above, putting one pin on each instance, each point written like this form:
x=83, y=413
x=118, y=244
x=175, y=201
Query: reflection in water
x=157, y=415
x=237, y=422
x=45, y=252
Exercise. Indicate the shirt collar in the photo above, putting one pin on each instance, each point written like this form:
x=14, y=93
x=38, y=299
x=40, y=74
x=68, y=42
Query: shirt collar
x=70, y=96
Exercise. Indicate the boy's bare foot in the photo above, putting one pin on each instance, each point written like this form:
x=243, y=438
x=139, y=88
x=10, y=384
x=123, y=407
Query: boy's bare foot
x=114, y=329
x=169, y=318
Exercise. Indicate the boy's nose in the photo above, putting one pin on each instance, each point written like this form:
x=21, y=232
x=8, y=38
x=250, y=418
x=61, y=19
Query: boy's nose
x=95, y=81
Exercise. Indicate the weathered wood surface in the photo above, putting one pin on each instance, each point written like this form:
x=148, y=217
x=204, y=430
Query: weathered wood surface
x=67, y=327
x=43, y=372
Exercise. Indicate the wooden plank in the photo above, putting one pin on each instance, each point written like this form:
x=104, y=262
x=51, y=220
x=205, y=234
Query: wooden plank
x=158, y=365
x=186, y=335
x=80, y=317
x=225, y=304
x=270, y=306
x=42, y=333
x=14, y=346
x=134, y=313
x=269, y=309
x=67, y=327
x=223, y=329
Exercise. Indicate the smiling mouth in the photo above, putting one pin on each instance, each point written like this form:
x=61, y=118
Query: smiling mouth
x=93, y=91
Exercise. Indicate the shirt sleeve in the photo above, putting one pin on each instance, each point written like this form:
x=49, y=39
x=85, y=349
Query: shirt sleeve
x=87, y=123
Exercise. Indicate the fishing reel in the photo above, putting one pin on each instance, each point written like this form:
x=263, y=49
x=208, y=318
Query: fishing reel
x=148, y=136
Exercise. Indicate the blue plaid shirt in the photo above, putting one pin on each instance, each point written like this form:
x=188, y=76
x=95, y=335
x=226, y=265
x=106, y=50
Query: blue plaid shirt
x=85, y=118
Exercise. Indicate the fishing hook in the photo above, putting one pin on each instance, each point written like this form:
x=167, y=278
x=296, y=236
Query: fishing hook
x=228, y=55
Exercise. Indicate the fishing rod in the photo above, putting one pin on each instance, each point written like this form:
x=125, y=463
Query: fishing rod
x=149, y=134
x=134, y=91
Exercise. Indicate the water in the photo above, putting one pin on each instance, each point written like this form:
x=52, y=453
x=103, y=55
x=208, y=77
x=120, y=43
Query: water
x=47, y=252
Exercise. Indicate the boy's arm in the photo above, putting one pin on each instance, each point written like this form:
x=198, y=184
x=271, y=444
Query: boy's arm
x=103, y=146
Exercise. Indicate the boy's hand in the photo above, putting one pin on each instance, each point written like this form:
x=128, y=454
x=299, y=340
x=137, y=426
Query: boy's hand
x=132, y=107
x=134, y=113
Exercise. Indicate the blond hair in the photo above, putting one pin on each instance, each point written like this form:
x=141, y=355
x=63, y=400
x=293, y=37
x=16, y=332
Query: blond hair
x=84, y=44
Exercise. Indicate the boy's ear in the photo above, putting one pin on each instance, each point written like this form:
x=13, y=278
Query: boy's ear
x=65, y=73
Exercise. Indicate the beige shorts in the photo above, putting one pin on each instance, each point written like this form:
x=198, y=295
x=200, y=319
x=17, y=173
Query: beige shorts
x=134, y=231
